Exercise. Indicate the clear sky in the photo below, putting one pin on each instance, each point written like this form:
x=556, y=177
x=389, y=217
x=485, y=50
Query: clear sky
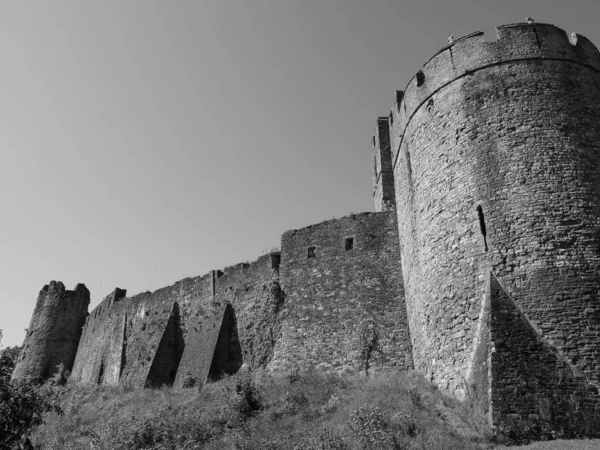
x=142, y=142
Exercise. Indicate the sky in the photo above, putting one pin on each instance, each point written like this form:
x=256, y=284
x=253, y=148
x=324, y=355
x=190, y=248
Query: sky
x=142, y=142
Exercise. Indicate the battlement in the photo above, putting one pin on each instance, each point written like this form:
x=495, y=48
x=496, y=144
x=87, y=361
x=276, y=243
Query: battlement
x=466, y=55
x=55, y=291
x=54, y=331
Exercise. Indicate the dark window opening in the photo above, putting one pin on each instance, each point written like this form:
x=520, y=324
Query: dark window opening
x=275, y=260
x=375, y=169
x=420, y=78
x=391, y=119
x=408, y=168
x=101, y=373
x=312, y=252
x=348, y=243
x=482, y=226
x=219, y=273
x=374, y=141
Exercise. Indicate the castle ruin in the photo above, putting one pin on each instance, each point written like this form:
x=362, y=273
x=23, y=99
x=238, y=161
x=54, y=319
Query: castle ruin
x=480, y=267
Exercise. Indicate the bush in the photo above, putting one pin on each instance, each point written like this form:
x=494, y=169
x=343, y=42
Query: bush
x=21, y=403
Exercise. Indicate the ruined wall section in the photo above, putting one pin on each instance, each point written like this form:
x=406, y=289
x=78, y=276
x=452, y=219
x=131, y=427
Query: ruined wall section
x=169, y=335
x=348, y=313
x=148, y=317
x=54, y=331
x=99, y=356
x=256, y=296
x=167, y=357
x=253, y=291
x=510, y=127
x=344, y=309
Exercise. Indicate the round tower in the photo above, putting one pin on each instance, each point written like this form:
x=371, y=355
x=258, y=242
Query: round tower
x=496, y=153
x=54, y=332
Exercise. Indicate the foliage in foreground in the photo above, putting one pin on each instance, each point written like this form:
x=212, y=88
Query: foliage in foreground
x=22, y=404
x=309, y=411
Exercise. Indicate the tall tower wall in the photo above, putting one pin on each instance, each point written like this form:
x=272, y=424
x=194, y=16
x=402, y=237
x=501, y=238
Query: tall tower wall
x=54, y=332
x=497, y=168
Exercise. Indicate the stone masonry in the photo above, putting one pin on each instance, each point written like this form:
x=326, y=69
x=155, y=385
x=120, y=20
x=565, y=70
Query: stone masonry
x=480, y=267
x=496, y=150
x=332, y=298
x=54, y=332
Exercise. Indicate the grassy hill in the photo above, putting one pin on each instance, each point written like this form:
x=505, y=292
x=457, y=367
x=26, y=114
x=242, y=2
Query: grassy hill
x=305, y=411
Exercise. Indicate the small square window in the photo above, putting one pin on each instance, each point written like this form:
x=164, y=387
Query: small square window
x=348, y=243
x=312, y=252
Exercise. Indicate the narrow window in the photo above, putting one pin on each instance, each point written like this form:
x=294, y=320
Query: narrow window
x=391, y=119
x=482, y=226
x=311, y=252
x=420, y=78
x=348, y=243
x=101, y=373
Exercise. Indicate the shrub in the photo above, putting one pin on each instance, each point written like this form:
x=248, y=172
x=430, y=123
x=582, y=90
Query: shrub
x=21, y=403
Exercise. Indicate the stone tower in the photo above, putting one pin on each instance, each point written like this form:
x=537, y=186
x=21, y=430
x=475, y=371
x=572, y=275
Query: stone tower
x=496, y=148
x=54, y=332
x=383, y=176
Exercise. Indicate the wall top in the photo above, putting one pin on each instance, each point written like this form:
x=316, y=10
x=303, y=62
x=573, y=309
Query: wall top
x=515, y=42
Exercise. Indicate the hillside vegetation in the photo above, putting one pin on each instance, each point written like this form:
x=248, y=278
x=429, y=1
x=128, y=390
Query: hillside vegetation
x=305, y=411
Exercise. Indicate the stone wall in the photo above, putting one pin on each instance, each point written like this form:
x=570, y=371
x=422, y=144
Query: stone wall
x=54, y=332
x=344, y=309
x=512, y=127
x=170, y=335
x=496, y=147
x=100, y=355
x=525, y=385
x=242, y=300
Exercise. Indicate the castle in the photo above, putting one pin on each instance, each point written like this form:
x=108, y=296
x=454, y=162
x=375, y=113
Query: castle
x=480, y=267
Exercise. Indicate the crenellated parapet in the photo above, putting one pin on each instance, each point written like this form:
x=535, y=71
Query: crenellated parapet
x=54, y=331
x=471, y=53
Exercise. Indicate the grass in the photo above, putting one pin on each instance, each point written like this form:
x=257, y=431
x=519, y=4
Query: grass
x=308, y=411
x=305, y=412
x=561, y=444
